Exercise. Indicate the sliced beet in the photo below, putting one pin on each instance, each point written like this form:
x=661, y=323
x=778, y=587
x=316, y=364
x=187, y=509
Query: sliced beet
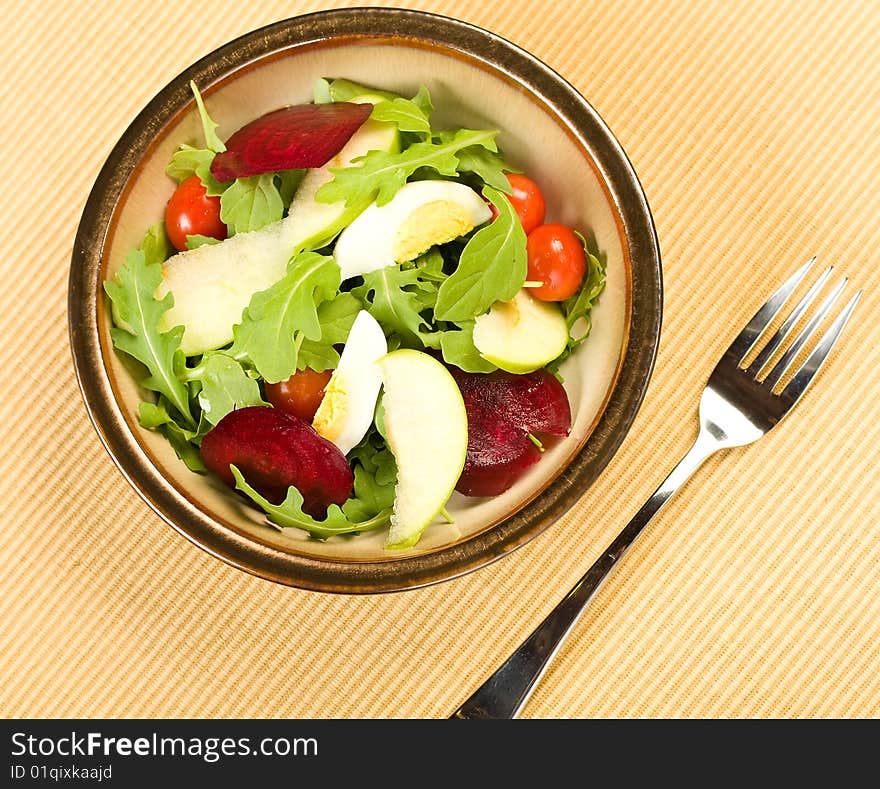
x=502, y=410
x=273, y=451
x=292, y=138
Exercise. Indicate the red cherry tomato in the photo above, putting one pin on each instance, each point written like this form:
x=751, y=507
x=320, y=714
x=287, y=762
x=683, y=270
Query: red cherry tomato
x=301, y=394
x=557, y=259
x=191, y=212
x=527, y=200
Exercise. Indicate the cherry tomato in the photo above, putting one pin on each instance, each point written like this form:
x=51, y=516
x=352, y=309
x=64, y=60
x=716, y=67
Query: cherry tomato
x=527, y=200
x=301, y=394
x=191, y=212
x=556, y=258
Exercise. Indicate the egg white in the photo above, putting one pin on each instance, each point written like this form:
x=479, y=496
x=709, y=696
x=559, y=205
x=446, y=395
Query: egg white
x=443, y=211
x=346, y=410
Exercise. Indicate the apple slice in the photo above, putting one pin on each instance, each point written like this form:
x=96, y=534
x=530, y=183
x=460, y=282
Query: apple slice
x=521, y=335
x=212, y=284
x=292, y=138
x=426, y=427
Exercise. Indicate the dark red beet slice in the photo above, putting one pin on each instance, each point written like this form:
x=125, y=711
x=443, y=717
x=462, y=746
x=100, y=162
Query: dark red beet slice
x=292, y=138
x=502, y=410
x=273, y=451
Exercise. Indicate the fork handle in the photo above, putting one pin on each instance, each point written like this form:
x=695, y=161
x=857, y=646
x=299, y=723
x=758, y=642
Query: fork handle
x=505, y=693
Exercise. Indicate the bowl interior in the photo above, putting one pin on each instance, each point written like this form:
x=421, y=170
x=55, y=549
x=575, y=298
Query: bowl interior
x=537, y=136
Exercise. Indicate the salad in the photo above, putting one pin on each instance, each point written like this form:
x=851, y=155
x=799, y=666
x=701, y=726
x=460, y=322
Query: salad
x=347, y=314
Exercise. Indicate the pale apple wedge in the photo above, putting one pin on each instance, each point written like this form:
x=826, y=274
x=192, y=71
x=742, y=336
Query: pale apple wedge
x=521, y=335
x=427, y=431
x=212, y=284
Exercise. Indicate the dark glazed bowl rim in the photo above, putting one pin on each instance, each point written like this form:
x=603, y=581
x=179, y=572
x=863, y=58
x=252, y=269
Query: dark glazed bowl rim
x=641, y=248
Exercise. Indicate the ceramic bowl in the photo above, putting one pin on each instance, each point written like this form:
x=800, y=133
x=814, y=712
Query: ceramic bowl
x=477, y=80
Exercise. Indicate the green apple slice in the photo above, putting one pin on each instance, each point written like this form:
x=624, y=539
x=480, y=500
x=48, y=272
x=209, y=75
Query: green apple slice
x=521, y=335
x=426, y=429
x=212, y=284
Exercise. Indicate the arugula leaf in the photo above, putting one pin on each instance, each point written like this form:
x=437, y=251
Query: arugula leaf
x=381, y=173
x=373, y=454
x=279, y=319
x=395, y=297
x=336, y=317
x=225, y=387
x=209, y=127
x=492, y=266
x=422, y=100
x=187, y=161
x=195, y=241
x=458, y=348
x=488, y=166
x=382, y=464
x=430, y=266
x=289, y=513
x=577, y=308
x=155, y=416
x=155, y=244
x=346, y=90
x=579, y=305
x=371, y=497
x=251, y=203
x=407, y=115
x=136, y=313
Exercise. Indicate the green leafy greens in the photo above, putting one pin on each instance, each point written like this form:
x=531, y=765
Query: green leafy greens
x=303, y=319
x=251, y=203
x=156, y=416
x=381, y=174
x=409, y=116
x=277, y=320
x=396, y=297
x=246, y=203
x=136, y=313
x=209, y=126
x=492, y=266
x=189, y=160
x=290, y=514
x=457, y=347
x=225, y=387
x=578, y=307
x=336, y=317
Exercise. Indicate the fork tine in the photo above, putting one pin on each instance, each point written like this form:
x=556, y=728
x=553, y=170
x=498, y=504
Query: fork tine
x=806, y=373
x=780, y=337
x=785, y=361
x=751, y=333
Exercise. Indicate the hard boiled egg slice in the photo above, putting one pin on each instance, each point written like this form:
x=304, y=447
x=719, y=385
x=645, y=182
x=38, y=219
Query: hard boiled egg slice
x=346, y=410
x=420, y=215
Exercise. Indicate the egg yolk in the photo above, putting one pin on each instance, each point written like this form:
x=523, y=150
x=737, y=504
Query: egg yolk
x=332, y=412
x=432, y=223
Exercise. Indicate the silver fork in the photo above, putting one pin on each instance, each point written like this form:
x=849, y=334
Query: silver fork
x=738, y=406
